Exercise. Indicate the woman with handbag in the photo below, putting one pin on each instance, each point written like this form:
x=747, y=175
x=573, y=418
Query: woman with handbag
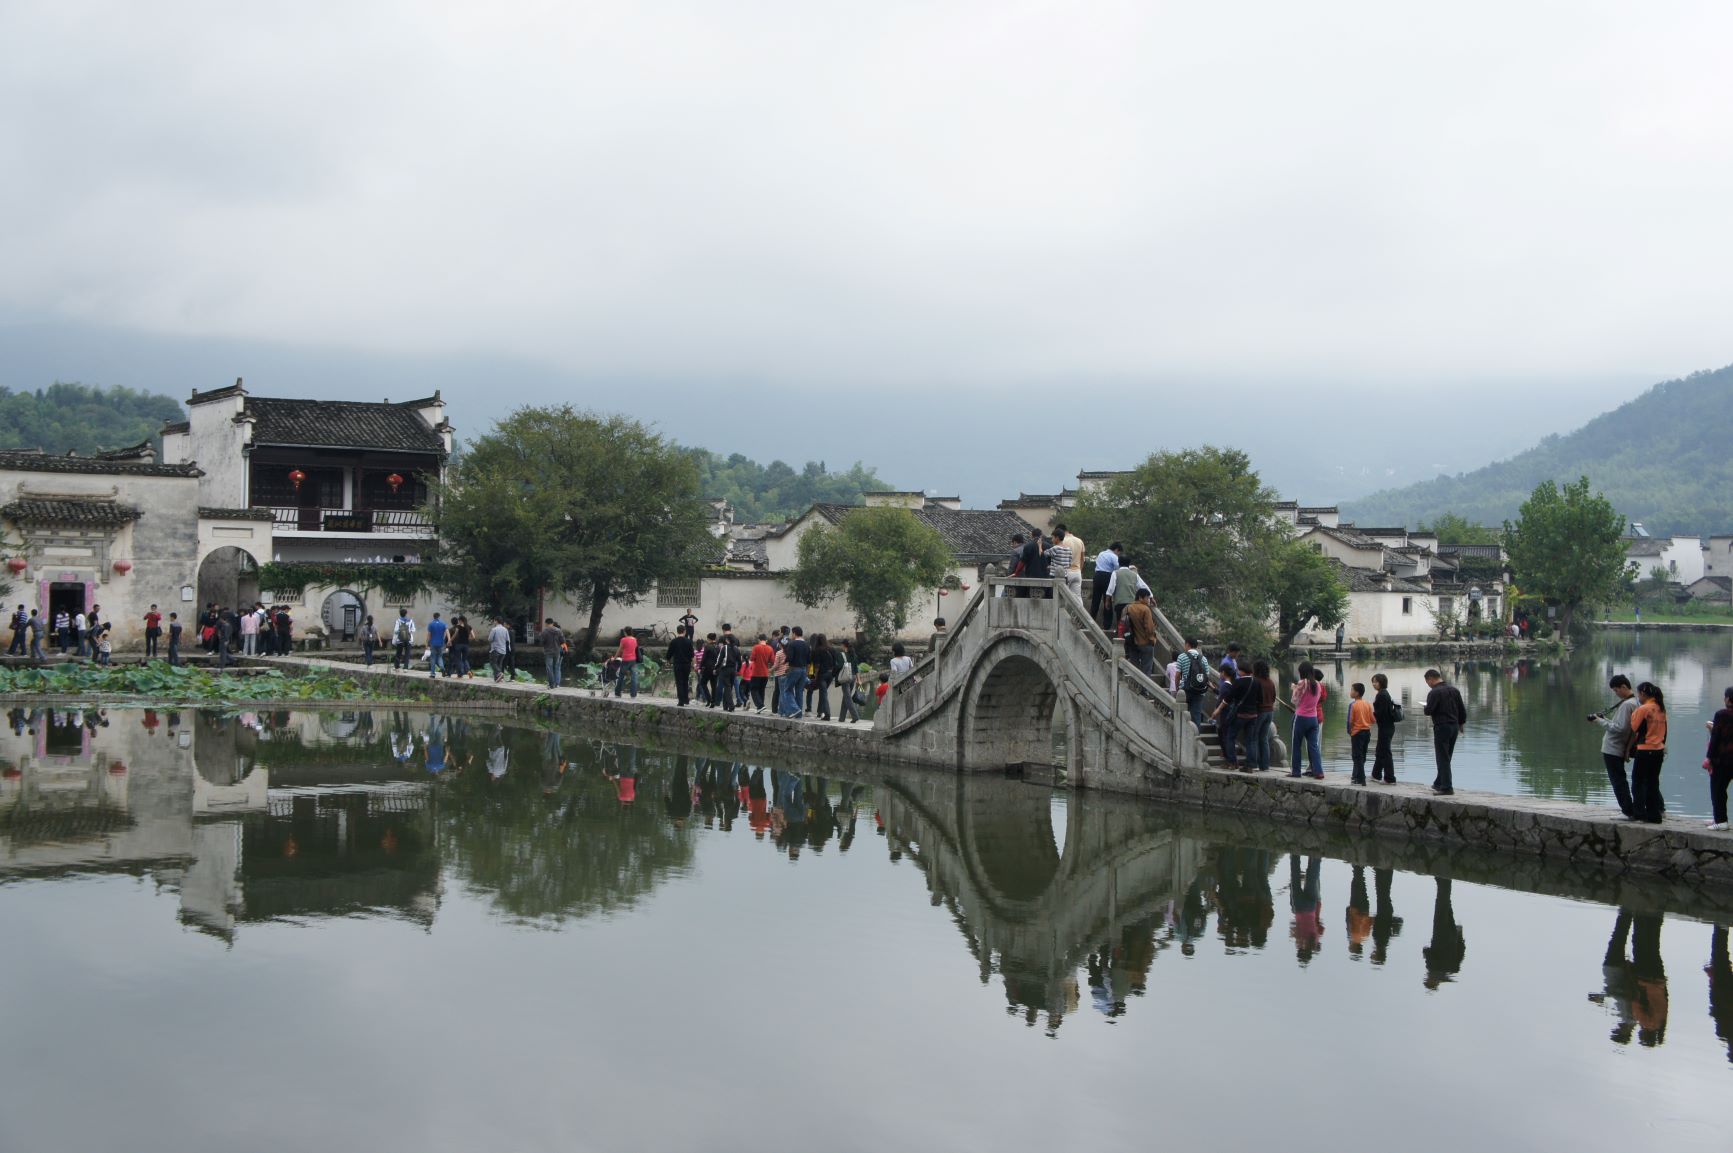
x=846, y=673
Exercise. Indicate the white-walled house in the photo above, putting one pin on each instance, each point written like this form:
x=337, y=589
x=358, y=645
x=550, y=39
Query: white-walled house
x=310, y=481
x=1683, y=558
x=749, y=589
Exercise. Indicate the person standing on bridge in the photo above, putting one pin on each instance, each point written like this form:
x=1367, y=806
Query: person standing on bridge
x=1140, y=634
x=1072, y=570
x=498, y=647
x=1444, y=705
x=1106, y=561
x=1194, y=680
x=1122, y=589
x=1261, y=739
x=1360, y=722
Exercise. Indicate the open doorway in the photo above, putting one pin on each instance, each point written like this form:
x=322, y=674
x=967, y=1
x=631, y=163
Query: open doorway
x=70, y=597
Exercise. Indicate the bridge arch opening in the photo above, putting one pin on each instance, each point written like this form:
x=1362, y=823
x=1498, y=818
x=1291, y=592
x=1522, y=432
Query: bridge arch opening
x=1010, y=718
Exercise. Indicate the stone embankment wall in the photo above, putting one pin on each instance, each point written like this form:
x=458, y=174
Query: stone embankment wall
x=1562, y=832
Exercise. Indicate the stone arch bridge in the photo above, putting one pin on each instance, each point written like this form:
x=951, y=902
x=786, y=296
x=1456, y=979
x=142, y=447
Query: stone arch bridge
x=1018, y=673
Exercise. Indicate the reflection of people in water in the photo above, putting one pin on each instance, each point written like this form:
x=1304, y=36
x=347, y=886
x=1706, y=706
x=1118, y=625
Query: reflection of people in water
x=757, y=804
x=1650, y=1005
x=1444, y=955
x=498, y=760
x=1358, y=918
x=1385, y=923
x=677, y=793
x=626, y=780
x=1245, y=907
x=1306, y=898
x=1720, y=970
x=1192, y=917
x=402, y=745
x=435, y=745
x=1635, y=984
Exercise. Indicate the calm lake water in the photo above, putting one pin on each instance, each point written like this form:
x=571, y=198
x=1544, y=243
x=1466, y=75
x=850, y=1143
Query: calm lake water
x=391, y=931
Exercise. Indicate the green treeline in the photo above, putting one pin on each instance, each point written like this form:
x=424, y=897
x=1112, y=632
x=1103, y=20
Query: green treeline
x=1663, y=458
x=776, y=491
x=70, y=417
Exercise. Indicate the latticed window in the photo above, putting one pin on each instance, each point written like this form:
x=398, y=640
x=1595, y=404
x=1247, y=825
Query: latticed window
x=678, y=594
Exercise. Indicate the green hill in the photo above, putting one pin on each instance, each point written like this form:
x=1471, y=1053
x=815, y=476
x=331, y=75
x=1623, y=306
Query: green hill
x=776, y=491
x=1665, y=459
x=78, y=418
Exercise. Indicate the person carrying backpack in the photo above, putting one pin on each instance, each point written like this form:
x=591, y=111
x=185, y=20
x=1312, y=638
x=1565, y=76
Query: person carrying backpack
x=402, y=638
x=1194, y=680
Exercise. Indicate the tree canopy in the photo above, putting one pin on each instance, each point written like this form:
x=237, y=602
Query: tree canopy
x=1200, y=526
x=71, y=417
x=1453, y=529
x=877, y=559
x=1567, y=546
x=776, y=491
x=554, y=500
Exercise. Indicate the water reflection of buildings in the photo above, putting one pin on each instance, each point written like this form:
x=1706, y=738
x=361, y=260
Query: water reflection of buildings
x=181, y=796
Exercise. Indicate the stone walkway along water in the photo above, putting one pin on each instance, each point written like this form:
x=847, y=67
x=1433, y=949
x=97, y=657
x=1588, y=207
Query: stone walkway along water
x=1680, y=849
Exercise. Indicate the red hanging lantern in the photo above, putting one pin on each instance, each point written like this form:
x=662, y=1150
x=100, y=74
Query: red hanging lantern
x=395, y=480
x=17, y=564
x=296, y=476
x=117, y=768
x=122, y=567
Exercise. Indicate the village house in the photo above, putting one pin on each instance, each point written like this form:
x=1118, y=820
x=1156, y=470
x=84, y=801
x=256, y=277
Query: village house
x=117, y=530
x=309, y=482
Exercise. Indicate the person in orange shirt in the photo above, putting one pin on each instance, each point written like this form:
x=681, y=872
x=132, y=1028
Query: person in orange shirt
x=1359, y=729
x=1649, y=737
x=758, y=663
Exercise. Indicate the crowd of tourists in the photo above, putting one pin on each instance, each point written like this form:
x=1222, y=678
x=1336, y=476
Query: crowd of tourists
x=782, y=671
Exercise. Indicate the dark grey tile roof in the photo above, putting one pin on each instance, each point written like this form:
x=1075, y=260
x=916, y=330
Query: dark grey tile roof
x=341, y=424
x=1363, y=580
x=974, y=536
x=235, y=513
x=42, y=462
x=97, y=513
x=1645, y=546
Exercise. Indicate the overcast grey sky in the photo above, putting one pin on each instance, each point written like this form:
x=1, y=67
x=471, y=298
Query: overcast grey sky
x=782, y=226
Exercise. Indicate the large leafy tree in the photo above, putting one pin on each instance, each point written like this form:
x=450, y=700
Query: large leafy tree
x=1304, y=584
x=554, y=500
x=1567, y=546
x=1199, y=525
x=877, y=559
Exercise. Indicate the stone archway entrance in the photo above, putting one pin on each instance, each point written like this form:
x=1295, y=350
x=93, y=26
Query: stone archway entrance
x=229, y=576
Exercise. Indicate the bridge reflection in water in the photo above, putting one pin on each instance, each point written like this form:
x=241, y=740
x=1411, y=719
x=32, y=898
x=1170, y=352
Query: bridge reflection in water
x=1036, y=908
x=1061, y=897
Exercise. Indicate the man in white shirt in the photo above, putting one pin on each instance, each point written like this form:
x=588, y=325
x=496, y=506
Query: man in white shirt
x=1105, y=564
x=498, y=647
x=1068, y=546
x=402, y=639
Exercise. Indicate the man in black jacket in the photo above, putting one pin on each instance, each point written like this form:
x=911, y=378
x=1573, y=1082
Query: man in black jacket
x=680, y=659
x=1444, y=705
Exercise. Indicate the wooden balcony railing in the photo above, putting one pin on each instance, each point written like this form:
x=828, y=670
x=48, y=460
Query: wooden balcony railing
x=379, y=521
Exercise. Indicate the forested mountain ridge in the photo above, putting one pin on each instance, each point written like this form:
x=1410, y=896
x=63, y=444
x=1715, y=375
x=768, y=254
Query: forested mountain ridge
x=1664, y=458
x=70, y=417
x=775, y=491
